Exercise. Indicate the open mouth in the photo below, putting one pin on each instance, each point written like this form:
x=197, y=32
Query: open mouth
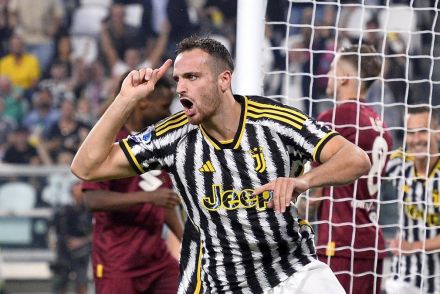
x=186, y=103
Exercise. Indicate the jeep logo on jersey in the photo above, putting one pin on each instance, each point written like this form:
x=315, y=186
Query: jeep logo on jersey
x=233, y=199
x=258, y=156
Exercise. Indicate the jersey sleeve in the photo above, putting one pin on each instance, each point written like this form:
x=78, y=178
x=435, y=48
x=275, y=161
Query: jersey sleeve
x=304, y=135
x=143, y=150
x=313, y=137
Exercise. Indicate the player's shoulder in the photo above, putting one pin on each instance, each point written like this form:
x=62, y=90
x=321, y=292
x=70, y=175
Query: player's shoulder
x=400, y=155
x=271, y=103
x=170, y=124
x=261, y=108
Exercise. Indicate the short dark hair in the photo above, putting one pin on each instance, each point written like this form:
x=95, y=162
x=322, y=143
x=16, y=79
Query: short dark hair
x=213, y=47
x=417, y=109
x=370, y=62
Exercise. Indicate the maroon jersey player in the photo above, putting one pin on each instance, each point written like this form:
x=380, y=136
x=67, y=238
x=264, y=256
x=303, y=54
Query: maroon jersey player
x=128, y=252
x=349, y=238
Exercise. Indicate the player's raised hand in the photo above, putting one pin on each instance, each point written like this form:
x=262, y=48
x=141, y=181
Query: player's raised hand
x=140, y=83
x=284, y=191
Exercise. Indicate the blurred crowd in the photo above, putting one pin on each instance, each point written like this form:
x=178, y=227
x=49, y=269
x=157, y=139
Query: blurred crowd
x=60, y=60
x=403, y=32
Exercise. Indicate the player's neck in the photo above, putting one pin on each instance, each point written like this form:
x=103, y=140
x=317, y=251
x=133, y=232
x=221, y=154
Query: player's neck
x=350, y=94
x=224, y=123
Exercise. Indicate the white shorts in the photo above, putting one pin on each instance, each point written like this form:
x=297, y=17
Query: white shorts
x=316, y=277
x=400, y=287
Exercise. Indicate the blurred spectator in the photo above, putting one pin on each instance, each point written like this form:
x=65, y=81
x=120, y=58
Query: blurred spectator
x=223, y=13
x=154, y=14
x=44, y=114
x=59, y=83
x=38, y=25
x=69, y=7
x=20, y=67
x=396, y=64
x=97, y=88
x=373, y=35
x=218, y=17
x=5, y=27
x=6, y=127
x=133, y=55
x=63, y=54
x=56, y=191
x=181, y=26
x=323, y=47
x=84, y=113
x=296, y=59
x=15, y=105
x=67, y=133
x=73, y=233
x=276, y=34
x=20, y=151
x=116, y=36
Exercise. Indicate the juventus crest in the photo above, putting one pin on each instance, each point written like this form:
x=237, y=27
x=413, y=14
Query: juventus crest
x=258, y=156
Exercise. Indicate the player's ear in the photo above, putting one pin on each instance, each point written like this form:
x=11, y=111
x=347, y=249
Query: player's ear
x=224, y=79
x=345, y=78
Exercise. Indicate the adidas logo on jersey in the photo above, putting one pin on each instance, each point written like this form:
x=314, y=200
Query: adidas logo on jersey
x=207, y=167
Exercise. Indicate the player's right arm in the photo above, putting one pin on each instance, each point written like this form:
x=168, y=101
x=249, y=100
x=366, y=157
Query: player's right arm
x=99, y=157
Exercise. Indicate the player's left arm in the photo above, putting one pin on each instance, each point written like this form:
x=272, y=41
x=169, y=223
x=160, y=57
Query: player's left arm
x=342, y=163
x=403, y=247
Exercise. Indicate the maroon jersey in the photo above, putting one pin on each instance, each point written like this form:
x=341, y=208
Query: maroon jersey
x=362, y=126
x=128, y=243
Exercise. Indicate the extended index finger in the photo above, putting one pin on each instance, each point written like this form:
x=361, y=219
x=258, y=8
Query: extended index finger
x=159, y=72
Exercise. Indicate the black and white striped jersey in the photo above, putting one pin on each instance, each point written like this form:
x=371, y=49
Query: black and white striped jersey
x=190, y=280
x=419, y=220
x=245, y=248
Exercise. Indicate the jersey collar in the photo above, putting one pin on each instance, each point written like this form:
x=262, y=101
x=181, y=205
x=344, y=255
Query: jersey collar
x=235, y=142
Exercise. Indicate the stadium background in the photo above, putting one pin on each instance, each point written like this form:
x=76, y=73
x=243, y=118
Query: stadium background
x=82, y=46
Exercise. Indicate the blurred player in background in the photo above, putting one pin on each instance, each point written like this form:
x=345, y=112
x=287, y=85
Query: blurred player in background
x=352, y=72
x=72, y=225
x=129, y=254
x=416, y=176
